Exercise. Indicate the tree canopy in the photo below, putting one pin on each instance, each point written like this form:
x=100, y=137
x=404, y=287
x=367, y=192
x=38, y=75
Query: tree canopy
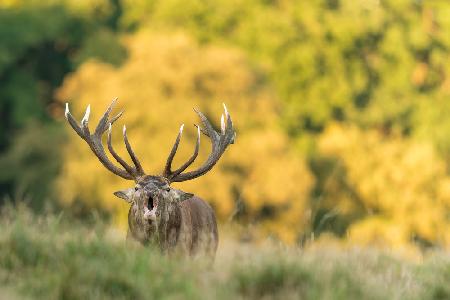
x=340, y=108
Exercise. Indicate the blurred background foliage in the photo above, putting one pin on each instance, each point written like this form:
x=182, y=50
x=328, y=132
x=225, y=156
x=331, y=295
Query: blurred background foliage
x=340, y=107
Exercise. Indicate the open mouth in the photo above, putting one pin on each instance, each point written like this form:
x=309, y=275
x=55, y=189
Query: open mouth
x=150, y=203
x=150, y=209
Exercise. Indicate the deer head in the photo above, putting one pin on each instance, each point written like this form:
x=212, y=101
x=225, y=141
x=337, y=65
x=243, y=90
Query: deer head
x=155, y=205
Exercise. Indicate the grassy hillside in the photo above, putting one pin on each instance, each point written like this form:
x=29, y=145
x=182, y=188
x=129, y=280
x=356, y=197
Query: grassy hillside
x=51, y=257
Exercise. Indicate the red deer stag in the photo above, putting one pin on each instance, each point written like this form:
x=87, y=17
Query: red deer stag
x=180, y=222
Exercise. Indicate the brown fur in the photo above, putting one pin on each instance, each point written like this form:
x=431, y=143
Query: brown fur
x=184, y=224
x=198, y=232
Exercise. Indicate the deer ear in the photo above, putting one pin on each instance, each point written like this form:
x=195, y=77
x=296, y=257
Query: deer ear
x=126, y=195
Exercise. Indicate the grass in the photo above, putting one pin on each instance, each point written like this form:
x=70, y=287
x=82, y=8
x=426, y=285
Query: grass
x=51, y=257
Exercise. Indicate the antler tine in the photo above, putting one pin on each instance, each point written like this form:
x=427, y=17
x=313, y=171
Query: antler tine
x=191, y=159
x=137, y=164
x=229, y=131
x=201, y=130
x=115, y=155
x=222, y=125
x=219, y=143
x=103, y=124
x=211, y=133
x=85, y=120
x=167, y=170
x=95, y=142
x=72, y=122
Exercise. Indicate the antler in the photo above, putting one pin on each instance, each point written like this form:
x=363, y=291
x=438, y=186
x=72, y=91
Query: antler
x=219, y=142
x=95, y=142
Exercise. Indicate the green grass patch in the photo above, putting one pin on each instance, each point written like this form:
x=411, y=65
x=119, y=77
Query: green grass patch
x=55, y=257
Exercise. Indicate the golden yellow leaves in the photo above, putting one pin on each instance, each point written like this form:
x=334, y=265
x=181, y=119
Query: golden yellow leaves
x=390, y=190
x=400, y=183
